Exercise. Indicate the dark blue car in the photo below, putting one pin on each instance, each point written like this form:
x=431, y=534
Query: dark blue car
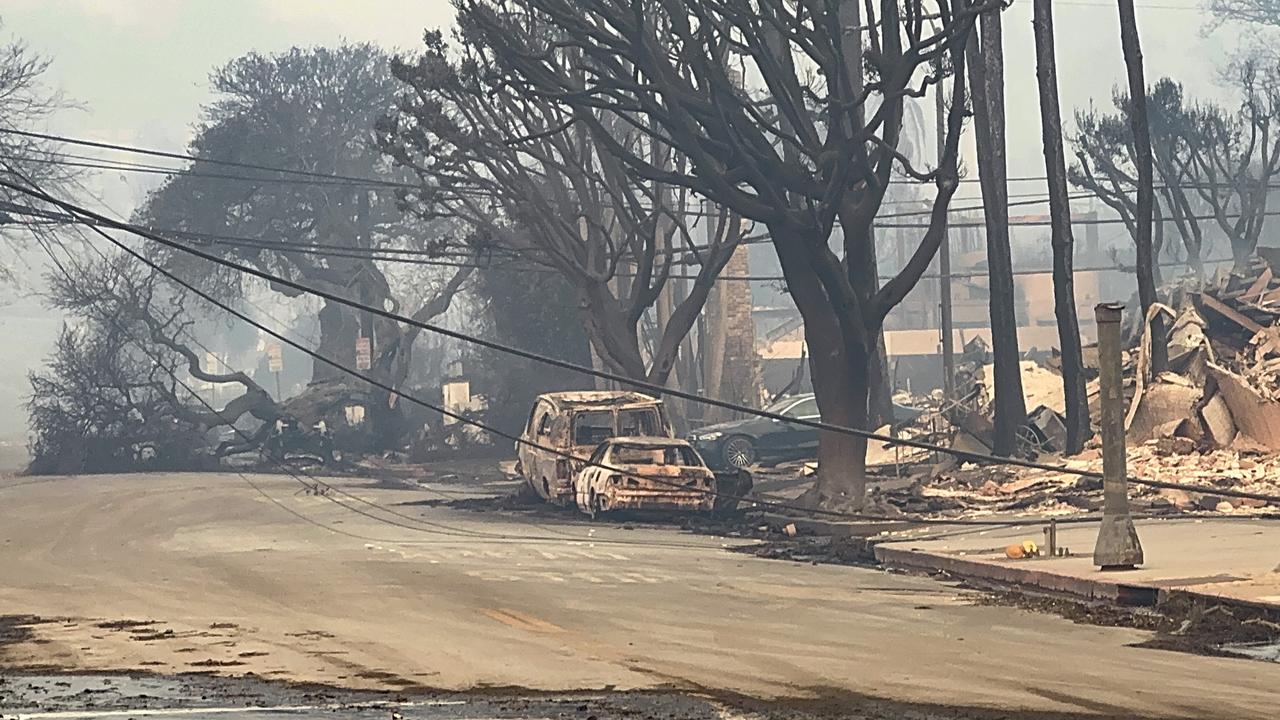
x=742, y=443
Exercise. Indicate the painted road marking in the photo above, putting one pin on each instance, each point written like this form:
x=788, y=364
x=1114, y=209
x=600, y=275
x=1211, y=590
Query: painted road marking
x=595, y=578
x=521, y=621
x=518, y=558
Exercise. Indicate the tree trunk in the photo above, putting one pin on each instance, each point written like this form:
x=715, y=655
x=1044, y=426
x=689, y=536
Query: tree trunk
x=713, y=352
x=1064, y=295
x=339, y=328
x=1242, y=249
x=841, y=385
x=1146, y=185
x=614, y=340
x=841, y=379
x=986, y=66
x=864, y=275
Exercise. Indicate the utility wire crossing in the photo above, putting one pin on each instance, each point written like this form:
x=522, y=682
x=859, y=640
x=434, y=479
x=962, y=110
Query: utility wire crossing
x=640, y=384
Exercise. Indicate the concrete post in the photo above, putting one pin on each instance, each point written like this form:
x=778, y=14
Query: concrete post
x=1118, y=547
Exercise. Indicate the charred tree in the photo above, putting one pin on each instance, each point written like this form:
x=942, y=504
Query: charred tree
x=986, y=69
x=532, y=178
x=1064, y=295
x=1145, y=256
x=310, y=110
x=810, y=145
x=113, y=397
x=1236, y=157
x=1106, y=166
x=26, y=104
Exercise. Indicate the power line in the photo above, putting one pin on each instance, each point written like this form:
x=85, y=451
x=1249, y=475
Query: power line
x=1026, y=199
x=96, y=163
x=428, y=258
x=659, y=390
x=757, y=503
x=376, y=383
x=641, y=384
x=441, y=528
x=210, y=161
x=267, y=168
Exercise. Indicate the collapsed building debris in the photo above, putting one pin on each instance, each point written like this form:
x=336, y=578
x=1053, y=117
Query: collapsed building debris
x=1220, y=387
x=972, y=490
x=1210, y=418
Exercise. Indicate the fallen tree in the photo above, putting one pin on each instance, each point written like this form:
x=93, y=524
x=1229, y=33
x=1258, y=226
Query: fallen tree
x=311, y=110
x=112, y=396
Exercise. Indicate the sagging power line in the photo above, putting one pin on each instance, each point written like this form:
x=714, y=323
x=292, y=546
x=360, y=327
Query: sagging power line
x=640, y=384
x=429, y=258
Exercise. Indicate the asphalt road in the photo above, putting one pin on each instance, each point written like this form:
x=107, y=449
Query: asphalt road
x=184, y=573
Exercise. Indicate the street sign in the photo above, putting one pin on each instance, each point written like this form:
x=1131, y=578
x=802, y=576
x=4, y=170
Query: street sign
x=275, y=357
x=364, y=353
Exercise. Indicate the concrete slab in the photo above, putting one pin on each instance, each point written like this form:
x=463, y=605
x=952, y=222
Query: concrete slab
x=1232, y=559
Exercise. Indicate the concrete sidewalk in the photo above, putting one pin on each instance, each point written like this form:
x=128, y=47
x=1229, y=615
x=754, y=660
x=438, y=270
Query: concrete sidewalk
x=1224, y=558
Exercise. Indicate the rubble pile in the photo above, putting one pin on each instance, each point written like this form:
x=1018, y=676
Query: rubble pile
x=1220, y=388
x=1211, y=418
x=972, y=490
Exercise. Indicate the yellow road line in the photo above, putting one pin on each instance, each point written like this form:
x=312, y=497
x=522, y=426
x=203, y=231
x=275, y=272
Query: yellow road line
x=521, y=621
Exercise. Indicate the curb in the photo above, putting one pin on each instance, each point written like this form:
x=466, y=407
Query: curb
x=1131, y=594
x=1127, y=593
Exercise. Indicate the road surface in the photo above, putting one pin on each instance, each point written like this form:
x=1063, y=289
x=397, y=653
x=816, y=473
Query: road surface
x=206, y=572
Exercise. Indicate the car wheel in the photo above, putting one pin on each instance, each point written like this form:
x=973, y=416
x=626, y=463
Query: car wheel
x=738, y=452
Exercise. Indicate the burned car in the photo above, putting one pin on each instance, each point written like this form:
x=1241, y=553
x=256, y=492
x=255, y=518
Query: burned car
x=289, y=440
x=639, y=473
x=575, y=423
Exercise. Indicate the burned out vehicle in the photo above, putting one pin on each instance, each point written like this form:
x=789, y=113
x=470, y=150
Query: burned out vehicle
x=644, y=473
x=291, y=441
x=575, y=423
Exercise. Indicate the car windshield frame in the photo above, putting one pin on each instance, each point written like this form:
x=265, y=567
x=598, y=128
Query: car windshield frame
x=780, y=406
x=653, y=423
x=792, y=412
x=785, y=405
x=686, y=455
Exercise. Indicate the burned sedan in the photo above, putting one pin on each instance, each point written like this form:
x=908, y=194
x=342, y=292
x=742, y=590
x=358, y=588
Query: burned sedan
x=644, y=473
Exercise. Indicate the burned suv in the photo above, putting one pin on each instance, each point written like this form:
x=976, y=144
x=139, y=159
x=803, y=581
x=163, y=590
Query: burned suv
x=575, y=423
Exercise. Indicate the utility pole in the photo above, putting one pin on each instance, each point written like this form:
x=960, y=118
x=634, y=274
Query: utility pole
x=1118, y=547
x=366, y=242
x=944, y=255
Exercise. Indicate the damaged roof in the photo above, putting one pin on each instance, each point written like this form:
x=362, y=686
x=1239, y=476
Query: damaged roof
x=598, y=398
